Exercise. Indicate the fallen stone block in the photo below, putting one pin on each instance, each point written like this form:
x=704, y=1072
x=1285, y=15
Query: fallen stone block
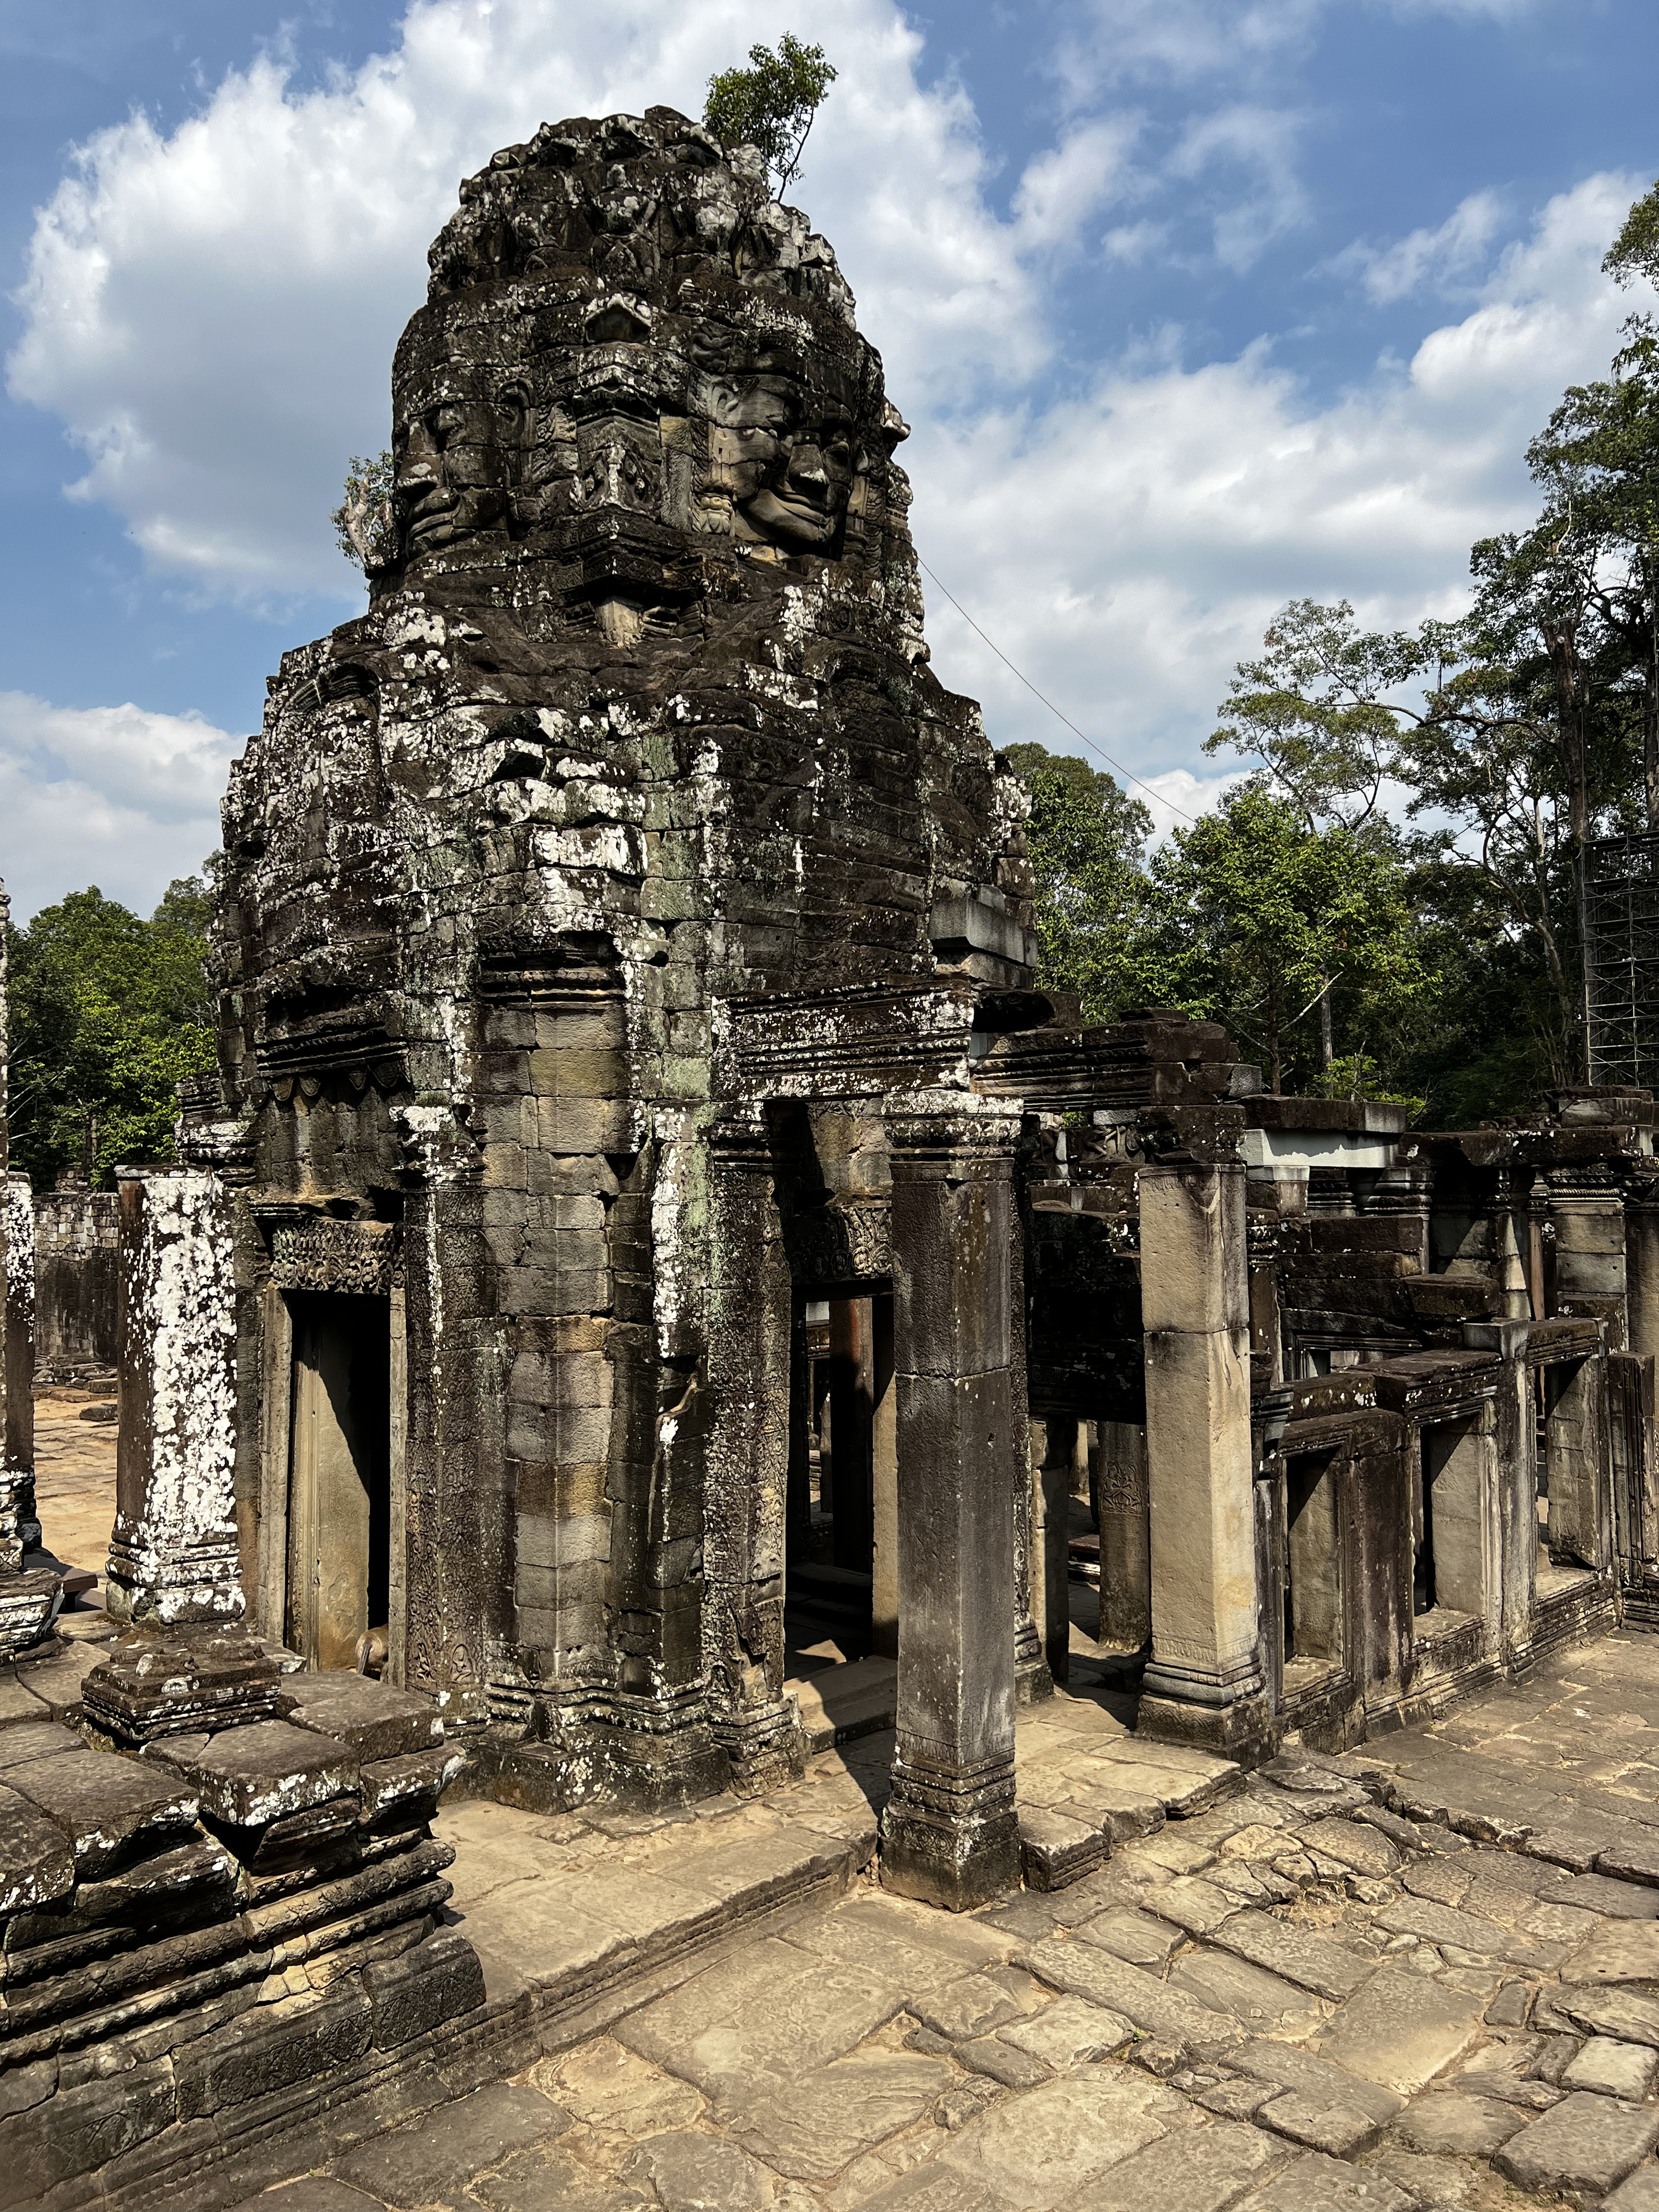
x=372, y=1719
x=37, y=1861
x=1055, y=1851
x=249, y=1776
x=106, y=1804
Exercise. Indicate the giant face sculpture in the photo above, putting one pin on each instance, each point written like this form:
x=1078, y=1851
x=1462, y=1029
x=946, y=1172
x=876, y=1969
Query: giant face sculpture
x=788, y=474
x=454, y=464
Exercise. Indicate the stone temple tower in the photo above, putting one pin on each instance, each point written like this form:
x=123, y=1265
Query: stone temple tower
x=638, y=729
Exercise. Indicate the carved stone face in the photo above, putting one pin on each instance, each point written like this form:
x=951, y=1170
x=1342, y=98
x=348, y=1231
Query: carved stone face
x=454, y=471
x=787, y=464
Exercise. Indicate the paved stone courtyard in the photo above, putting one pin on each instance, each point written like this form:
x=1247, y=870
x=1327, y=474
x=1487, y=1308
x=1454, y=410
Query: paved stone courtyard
x=1426, y=1975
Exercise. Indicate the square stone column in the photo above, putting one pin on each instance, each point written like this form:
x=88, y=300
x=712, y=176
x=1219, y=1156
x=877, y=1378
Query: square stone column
x=747, y=1467
x=173, y=1553
x=1204, y=1683
x=950, y=1834
x=19, y=1525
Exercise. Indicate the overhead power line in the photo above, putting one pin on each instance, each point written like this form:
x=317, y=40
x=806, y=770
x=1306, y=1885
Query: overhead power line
x=1049, y=702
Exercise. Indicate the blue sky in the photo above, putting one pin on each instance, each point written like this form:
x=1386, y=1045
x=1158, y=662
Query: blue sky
x=1194, y=305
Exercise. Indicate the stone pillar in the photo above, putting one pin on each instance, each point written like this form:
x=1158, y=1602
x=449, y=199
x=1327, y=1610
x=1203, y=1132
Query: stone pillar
x=1204, y=1682
x=20, y=1524
x=1588, y=1209
x=950, y=1834
x=1121, y=1515
x=747, y=1467
x=1053, y=1450
x=173, y=1553
x=884, y=1584
x=1032, y=1680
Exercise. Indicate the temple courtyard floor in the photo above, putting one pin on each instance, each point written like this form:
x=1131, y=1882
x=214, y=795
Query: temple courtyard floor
x=1425, y=1975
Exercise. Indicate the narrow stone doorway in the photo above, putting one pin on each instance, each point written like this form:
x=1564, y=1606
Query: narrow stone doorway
x=841, y=1578
x=340, y=1517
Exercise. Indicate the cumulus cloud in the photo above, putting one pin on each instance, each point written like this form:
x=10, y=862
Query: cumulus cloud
x=1126, y=547
x=212, y=312
x=111, y=795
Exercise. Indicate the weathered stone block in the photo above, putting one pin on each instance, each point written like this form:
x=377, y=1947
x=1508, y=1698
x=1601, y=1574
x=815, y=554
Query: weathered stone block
x=270, y=2047
x=437, y=1980
x=247, y=1776
x=104, y=1805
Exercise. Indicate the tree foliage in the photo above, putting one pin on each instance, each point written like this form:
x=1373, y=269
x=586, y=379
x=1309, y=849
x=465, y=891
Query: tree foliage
x=365, y=522
x=107, y=1012
x=1087, y=841
x=771, y=104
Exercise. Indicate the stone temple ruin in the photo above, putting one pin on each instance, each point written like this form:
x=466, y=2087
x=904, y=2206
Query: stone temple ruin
x=629, y=1050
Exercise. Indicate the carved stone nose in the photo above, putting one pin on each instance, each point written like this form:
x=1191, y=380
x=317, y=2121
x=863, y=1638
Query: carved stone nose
x=807, y=465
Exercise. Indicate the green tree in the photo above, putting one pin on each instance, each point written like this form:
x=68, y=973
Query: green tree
x=1086, y=840
x=365, y=522
x=771, y=104
x=1258, y=917
x=107, y=1013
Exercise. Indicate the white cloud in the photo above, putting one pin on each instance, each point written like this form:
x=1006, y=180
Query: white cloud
x=1426, y=258
x=1126, y=549
x=1260, y=143
x=111, y=795
x=212, y=313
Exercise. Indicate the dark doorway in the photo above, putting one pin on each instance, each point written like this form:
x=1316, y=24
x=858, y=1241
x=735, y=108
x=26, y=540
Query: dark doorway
x=339, y=1482
x=836, y=1604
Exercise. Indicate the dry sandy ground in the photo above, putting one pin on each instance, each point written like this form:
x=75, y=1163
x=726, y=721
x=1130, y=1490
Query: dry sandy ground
x=75, y=1479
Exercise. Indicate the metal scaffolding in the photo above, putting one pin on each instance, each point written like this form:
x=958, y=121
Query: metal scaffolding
x=1621, y=962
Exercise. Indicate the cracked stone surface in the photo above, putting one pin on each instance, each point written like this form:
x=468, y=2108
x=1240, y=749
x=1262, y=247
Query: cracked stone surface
x=1247, y=2009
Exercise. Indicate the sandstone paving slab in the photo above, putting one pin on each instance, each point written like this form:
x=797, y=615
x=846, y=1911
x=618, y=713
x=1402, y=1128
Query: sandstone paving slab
x=992, y=2055
x=1298, y=1954
x=812, y=2126
x=1614, y=2068
x=1169, y=1853
x=1287, y=2066
x=971, y=2005
x=23, y=1742
x=1639, y=2193
x=754, y=1867
x=1194, y=2170
x=1196, y=1905
x=528, y=1938
x=1634, y=1856
x=1153, y=2006
x=548, y=2179
x=1450, y=2124
x=1598, y=1892
x=440, y=2152
x=935, y=2188
x=697, y=2174
x=1340, y=2131
x=1401, y=2030
x=1068, y=2032
x=313, y=2192
x=1316, y=2183
x=647, y=1909
x=1362, y=1849
x=1626, y=1953
x=1586, y=2142
x=888, y=1942
x=1466, y=1931
x=1128, y=1933
x=1261, y=2002
x=1625, y=2014
x=604, y=2085
x=1043, y=2148
x=766, y=2016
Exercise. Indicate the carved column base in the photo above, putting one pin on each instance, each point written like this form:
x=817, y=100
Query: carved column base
x=652, y=1753
x=1223, y=1711
x=763, y=1744
x=173, y=1585
x=951, y=1836
x=1032, y=1680
x=155, y=1682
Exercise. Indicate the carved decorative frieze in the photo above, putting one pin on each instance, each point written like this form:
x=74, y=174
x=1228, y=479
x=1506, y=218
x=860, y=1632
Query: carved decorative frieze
x=358, y=1257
